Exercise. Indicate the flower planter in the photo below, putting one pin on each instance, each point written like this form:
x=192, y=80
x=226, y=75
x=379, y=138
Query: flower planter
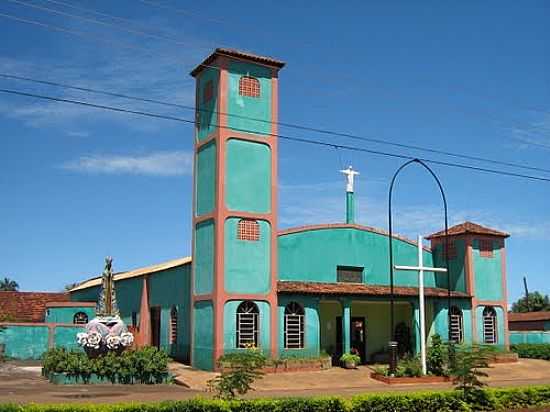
x=409, y=379
x=506, y=357
x=65, y=379
x=349, y=365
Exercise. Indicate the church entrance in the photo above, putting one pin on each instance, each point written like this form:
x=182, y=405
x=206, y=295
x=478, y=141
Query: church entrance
x=357, y=334
x=155, y=326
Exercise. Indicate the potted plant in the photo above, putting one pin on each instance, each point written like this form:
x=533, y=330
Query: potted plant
x=350, y=360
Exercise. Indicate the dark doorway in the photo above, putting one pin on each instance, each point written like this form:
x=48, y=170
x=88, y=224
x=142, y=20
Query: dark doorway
x=358, y=335
x=155, y=326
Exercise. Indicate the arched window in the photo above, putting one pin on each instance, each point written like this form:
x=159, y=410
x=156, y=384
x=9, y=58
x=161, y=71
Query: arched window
x=248, y=230
x=174, y=325
x=294, y=326
x=247, y=325
x=80, y=318
x=249, y=86
x=489, y=325
x=457, y=325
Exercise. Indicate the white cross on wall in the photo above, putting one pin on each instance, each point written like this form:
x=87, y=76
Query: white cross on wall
x=421, y=269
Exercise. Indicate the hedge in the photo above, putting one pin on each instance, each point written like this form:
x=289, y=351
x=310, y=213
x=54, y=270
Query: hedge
x=485, y=400
x=532, y=350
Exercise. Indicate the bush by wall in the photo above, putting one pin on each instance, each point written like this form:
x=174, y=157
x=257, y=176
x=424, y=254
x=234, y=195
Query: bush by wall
x=146, y=365
x=532, y=350
x=484, y=400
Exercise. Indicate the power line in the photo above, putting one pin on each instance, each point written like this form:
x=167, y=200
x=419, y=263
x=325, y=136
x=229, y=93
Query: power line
x=181, y=11
x=284, y=124
x=95, y=21
x=280, y=136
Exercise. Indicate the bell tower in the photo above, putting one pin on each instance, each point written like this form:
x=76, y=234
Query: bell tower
x=234, y=284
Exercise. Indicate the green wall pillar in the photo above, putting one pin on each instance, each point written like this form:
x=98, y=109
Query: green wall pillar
x=346, y=324
x=350, y=208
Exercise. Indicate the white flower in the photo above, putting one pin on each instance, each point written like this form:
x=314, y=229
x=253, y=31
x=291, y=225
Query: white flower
x=82, y=338
x=126, y=339
x=113, y=341
x=94, y=340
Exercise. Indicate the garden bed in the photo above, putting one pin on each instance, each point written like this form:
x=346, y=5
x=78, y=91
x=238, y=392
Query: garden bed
x=409, y=379
x=296, y=365
x=503, y=357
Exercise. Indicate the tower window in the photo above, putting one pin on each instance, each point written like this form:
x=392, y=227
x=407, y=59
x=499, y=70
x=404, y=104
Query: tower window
x=80, y=318
x=457, y=325
x=486, y=248
x=451, y=248
x=248, y=230
x=294, y=326
x=208, y=92
x=249, y=86
x=247, y=325
x=489, y=325
x=174, y=325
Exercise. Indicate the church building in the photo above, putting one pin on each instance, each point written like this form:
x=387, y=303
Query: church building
x=299, y=291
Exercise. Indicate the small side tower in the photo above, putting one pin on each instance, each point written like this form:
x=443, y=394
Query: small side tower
x=477, y=261
x=235, y=206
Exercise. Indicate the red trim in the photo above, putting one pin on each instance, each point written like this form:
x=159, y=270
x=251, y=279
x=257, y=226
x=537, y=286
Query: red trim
x=70, y=304
x=308, y=228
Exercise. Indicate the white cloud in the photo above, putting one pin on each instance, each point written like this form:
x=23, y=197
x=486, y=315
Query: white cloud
x=174, y=163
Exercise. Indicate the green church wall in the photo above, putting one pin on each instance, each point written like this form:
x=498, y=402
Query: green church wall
x=487, y=273
x=244, y=108
x=440, y=324
x=248, y=176
x=65, y=337
x=203, y=335
x=314, y=255
x=311, y=326
x=66, y=314
x=205, y=179
x=208, y=117
x=500, y=324
x=532, y=336
x=230, y=326
x=456, y=265
x=168, y=289
x=204, y=257
x=247, y=263
x=24, y=342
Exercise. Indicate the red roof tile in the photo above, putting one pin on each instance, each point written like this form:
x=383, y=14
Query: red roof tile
x=28, y=306
x=528, y=316
x=319, y=288
x=469, y=227
x=268, y=61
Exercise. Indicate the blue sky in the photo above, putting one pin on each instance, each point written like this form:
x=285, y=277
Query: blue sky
x=78, y=184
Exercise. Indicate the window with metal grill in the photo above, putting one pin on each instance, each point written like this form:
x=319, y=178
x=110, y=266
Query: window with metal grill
x=247, y=325
x=80, y=318
x=249, y=86
x=457, y=325
x=486, y=248
x=294, y=326
x=208, y=92
x=489, y=325
x=451, y=249
x=349, y=274
x=174, y=325
x=248, y=230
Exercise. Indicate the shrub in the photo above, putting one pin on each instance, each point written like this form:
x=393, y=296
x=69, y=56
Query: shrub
x=146, y=365
x=488, y=399
x=239, y=371
x=351, y=358
x=436, y=357
x=532, y=350
x=466, y=369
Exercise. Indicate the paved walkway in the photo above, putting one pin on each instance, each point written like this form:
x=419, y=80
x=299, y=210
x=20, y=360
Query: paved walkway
x=24, y=384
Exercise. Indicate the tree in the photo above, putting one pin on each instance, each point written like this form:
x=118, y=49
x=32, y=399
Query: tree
x=537, y=303
x=8, y=285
